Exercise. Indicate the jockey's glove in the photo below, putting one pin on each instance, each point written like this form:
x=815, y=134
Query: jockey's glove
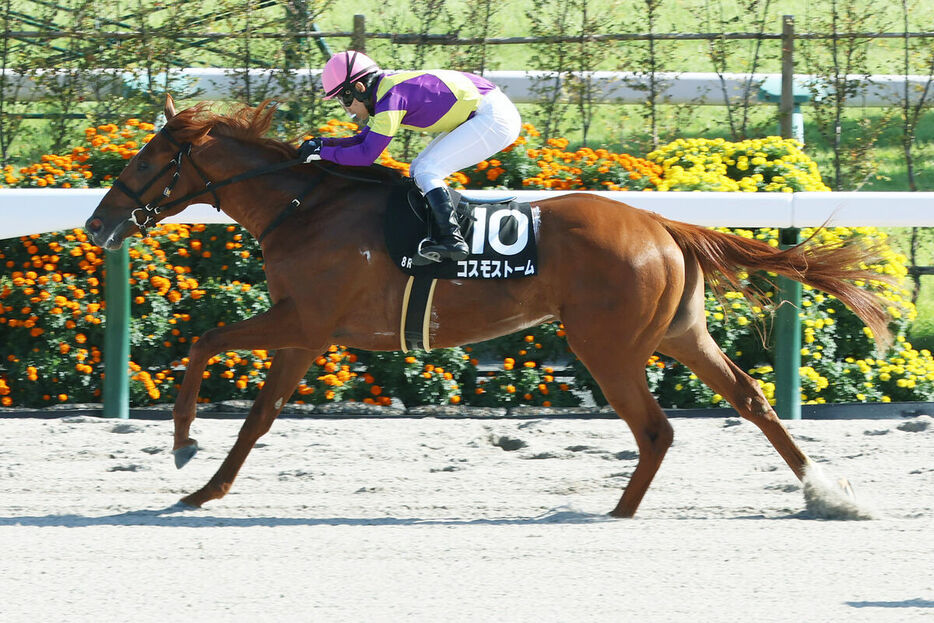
x=310, y=150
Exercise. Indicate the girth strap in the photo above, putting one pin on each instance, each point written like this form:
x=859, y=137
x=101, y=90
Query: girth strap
x=416, y=313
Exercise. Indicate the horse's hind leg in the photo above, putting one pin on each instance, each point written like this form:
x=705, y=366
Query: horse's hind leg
x=697, y=350
x=288, y=367
x=631, y=399
x=625, y=387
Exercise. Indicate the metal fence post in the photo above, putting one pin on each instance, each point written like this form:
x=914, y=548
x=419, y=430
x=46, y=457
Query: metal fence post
x=786, y=106
x=788, y=339
x=116, y=392
x=788, y=329
x=358, y=40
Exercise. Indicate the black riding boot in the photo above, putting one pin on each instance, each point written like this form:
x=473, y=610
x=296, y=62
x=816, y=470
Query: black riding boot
x=446, y=242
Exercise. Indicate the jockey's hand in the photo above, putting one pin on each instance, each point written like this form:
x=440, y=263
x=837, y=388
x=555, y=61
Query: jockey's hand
x=310, y=150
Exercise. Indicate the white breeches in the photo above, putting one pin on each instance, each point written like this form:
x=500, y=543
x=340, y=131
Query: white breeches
x=494, y=127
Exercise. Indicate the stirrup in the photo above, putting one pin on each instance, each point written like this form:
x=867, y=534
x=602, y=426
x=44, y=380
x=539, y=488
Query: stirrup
x=427, y=257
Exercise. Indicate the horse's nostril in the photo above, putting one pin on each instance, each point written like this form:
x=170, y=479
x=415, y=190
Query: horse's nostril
x=94, y=224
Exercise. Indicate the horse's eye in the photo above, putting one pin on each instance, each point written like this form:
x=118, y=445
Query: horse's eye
x=142, y=165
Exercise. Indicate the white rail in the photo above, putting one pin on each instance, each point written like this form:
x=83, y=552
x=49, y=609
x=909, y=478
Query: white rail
x=34, y=211
x=213, y=83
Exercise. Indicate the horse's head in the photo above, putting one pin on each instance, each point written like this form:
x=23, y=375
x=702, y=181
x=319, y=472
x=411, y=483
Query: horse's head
x=144, y=192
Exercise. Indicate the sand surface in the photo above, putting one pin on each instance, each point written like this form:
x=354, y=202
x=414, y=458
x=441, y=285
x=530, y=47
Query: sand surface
x=431, y=520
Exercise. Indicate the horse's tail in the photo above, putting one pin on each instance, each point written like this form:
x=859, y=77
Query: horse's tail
x=831, y=268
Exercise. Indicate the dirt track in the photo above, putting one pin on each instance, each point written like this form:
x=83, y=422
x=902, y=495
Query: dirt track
x=428, y=520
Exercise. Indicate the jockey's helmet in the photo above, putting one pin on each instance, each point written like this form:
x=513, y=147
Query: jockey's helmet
x=343, y=70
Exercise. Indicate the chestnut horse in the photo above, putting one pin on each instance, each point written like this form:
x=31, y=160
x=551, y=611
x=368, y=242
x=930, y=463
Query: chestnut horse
x=626, y=283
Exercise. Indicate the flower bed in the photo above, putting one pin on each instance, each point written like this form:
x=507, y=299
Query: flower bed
x=186, y=279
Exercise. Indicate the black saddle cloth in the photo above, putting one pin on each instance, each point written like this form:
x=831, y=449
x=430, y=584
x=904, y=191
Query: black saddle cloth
x=500, y=235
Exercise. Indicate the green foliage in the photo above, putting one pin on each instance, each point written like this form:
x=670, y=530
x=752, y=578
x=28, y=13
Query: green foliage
x=417, y=377
x=527, y=373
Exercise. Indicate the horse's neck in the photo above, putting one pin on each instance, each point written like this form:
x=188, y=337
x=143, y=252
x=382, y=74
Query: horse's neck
x=258, y=202
x=254, y=202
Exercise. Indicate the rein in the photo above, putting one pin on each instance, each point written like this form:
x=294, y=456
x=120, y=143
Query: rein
x=145, y=216
x=151, y=210
x=297, y=202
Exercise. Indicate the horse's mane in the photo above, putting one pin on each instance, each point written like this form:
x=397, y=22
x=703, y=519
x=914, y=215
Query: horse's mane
x=245, y=123
x=250, y=124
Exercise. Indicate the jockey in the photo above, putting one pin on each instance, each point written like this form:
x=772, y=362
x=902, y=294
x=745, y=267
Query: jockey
x=474, y=118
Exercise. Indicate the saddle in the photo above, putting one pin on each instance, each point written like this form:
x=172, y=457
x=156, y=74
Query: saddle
x=500, y=234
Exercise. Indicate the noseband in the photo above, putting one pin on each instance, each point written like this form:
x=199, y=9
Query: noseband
x=145, y=215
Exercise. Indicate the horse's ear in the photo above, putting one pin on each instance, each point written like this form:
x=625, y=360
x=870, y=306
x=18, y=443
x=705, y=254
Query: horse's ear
x=169, y=107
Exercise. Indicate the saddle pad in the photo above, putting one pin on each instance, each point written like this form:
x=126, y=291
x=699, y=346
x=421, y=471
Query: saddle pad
x=501, y=238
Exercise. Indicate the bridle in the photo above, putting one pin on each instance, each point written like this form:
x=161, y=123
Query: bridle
x=144, y=215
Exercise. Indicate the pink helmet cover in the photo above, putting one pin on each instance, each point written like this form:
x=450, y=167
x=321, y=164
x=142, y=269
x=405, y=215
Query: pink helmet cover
x=343, y=69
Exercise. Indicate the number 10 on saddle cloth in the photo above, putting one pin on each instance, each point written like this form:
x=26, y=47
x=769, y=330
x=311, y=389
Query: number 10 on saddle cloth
x=501, y=237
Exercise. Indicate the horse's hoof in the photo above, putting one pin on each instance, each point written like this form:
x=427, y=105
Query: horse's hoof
x=184, y=454
x=188, y=503
x=178, y=507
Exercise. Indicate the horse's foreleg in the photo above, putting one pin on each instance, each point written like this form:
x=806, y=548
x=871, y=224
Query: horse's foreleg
x=278, y=327
x=288, y=367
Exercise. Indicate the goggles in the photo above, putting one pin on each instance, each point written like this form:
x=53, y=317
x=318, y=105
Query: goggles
x=346, y=96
